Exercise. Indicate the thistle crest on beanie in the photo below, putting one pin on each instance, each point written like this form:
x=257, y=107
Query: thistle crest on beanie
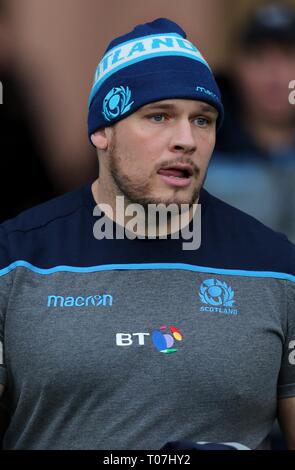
x=153, y=62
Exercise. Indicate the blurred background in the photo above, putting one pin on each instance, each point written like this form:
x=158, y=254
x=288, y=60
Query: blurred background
x=49, y=50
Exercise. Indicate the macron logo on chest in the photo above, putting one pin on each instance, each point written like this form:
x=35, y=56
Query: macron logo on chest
x=98, y=300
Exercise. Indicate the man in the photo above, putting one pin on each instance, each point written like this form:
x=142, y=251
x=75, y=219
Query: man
x=131, y=342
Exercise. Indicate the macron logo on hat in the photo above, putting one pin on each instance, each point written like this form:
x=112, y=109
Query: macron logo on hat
x=139, y=49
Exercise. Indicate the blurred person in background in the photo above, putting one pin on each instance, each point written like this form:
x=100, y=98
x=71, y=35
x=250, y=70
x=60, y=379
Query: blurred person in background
x=254, y=162
x=23, y=173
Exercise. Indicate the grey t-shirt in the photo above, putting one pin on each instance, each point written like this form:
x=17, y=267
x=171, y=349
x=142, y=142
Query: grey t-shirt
x=130, y=344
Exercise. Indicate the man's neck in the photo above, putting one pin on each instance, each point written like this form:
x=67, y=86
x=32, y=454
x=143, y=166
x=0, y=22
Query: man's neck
x=117, y=208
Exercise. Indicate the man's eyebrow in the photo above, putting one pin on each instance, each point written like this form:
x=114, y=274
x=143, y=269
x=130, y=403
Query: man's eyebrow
x=158, y=106
x=207, y=108
x=203, y=107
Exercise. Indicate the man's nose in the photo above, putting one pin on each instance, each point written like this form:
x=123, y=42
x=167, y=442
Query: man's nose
x=183, y=138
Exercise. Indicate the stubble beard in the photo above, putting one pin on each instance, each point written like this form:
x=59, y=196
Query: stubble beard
x=141, y=192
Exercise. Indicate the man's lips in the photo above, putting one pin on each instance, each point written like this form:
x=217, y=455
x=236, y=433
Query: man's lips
x=178, y=175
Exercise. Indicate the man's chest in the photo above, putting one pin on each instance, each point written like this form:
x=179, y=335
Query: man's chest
x=172, y=325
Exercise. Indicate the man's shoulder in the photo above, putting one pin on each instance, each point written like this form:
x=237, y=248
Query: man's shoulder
x=42, y=234
x=238, y=219
x=248, y=239
x=55, y=210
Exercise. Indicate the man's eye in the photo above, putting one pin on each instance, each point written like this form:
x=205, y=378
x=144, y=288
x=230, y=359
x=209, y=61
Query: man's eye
x=201, y=121
x=157, y=117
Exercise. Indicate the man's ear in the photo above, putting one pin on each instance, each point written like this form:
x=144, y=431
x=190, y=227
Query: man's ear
x=100, y=139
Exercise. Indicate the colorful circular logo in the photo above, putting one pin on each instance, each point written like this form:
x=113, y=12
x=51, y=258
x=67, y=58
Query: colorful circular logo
x=164, y=339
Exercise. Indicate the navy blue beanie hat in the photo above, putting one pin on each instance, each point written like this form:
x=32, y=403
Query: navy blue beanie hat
x=151, y=63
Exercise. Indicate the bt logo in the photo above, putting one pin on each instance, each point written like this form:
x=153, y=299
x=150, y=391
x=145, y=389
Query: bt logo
x=164, y=342
x=163, y=339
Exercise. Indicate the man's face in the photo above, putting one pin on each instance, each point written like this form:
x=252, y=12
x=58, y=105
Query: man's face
x=160, y=153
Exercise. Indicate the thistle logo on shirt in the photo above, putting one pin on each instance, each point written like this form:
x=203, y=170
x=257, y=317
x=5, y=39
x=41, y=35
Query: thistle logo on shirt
x=80, y=301
x=216, y=295
x=161, y=339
